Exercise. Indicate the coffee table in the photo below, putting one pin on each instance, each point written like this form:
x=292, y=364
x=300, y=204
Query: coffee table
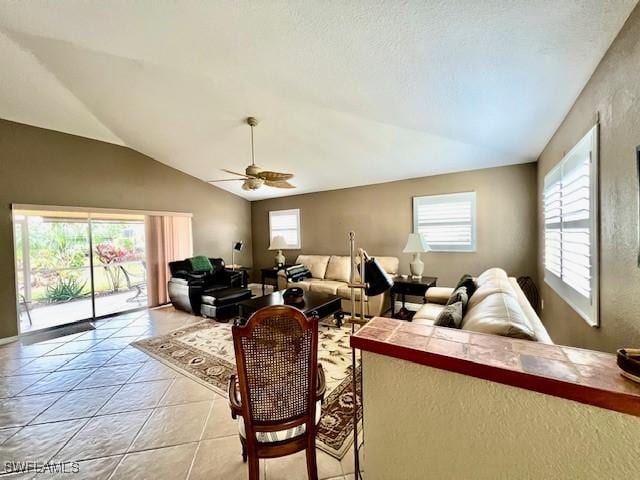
x=315, y=303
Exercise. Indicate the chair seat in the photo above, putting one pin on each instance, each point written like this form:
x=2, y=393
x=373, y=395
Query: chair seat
x=280, y=435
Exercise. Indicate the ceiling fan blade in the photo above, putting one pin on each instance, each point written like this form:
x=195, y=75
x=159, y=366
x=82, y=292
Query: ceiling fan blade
x=234, y=173
x=275, y=176
x=226, y=180
x=279, y=184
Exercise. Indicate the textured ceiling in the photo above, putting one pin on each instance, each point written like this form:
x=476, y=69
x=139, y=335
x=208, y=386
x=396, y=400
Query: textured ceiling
x=348, y=93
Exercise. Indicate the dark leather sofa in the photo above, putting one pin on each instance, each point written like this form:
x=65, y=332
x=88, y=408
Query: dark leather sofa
x=186, y=287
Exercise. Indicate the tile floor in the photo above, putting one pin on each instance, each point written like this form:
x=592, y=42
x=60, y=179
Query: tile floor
x=90, y=398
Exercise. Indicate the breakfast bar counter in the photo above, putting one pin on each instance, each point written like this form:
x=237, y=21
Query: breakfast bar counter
x=510, y=408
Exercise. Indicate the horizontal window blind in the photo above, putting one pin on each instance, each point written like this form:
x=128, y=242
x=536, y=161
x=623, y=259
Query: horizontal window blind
x=447, y=222
x=287, y=224
x=570, y=228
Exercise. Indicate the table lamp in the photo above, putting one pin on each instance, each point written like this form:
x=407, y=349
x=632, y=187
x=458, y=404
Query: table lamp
x=416, y=245
x=279, y=243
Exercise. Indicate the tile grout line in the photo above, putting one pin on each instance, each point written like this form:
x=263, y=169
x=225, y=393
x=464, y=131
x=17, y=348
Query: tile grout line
x=204, y=427
x=69, y=391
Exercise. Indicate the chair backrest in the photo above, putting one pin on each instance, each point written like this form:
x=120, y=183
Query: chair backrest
x=179, y=266
x=277, y=358
x=217, y=264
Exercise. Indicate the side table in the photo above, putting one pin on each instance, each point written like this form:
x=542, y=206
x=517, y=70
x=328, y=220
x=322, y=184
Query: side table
x=409, y=286
x=270, y=273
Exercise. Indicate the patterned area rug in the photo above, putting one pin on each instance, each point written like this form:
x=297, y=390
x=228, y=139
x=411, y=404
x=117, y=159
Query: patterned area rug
x=204, y=351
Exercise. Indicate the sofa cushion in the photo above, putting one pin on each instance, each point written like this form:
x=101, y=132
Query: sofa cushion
x=489, y=287
x=389, y=264
x=339, y=268
x=450, y=316
x=317, y=264
x=326, y=286
x=428, y=311
x=491, y=273
x=345, y=292
x=305, y=284
x=499, y=314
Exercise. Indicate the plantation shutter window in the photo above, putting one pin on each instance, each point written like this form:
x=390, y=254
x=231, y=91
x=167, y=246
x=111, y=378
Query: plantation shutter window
x=287, y=224
x=446, y=222
x=570, y=203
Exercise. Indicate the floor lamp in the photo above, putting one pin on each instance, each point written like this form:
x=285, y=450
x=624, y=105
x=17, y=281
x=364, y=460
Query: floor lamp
x=237, y=247
x=373, y=281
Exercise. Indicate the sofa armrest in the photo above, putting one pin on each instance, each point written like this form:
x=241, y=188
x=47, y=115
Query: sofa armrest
x=230, y=278
x=188, y=280
x=438, y=295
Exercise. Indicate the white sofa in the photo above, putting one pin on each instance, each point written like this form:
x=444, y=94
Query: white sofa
x=330, y=274
x=498, y=306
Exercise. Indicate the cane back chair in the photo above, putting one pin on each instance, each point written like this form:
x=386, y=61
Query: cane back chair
x=279, y=387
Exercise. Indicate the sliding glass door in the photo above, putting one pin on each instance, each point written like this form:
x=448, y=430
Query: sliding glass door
x=77, y=265
x=119, y=263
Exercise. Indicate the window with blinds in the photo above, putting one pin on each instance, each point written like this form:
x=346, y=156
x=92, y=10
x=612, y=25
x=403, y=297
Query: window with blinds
x=447, y=222
x=570, y=203
x=287, y=224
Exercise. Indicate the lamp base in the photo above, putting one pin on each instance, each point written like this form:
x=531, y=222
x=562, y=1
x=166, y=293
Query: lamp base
x=279, y=259
x=416, y=266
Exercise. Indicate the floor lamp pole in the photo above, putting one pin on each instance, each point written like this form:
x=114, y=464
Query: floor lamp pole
x=360, y=321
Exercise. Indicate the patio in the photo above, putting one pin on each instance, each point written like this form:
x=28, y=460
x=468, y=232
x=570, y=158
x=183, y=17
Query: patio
x=51, y=315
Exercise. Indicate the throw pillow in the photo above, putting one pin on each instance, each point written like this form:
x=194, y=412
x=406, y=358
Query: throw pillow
x=459, y=295
x=450, y=316
x=200, y=264
x=467, y=281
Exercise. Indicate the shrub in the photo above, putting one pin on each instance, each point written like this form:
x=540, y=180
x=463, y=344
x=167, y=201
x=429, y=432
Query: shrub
x=65, y=289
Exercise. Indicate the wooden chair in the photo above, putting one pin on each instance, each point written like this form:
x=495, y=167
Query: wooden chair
x=279, y=387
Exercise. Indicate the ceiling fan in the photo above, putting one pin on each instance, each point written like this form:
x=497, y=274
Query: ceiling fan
x=254, y=177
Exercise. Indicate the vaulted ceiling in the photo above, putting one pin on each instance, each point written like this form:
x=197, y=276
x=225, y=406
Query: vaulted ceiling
x=347, y=93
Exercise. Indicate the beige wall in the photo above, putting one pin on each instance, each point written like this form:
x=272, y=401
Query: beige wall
x=423, y=423
x=49, y=168
x=614, y=93
x=381, y=215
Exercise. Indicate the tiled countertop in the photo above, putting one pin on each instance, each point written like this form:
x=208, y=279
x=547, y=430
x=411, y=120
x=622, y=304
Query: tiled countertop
x=581, y=375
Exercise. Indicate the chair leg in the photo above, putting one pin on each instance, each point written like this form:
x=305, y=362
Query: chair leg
x=312, y=467
x=254, y=467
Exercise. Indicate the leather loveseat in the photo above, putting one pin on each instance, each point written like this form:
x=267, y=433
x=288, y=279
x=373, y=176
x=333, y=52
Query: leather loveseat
x=330, y=274
x=498, y=306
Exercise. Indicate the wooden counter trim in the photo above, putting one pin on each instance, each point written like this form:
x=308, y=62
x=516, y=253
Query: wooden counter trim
x=625, y=399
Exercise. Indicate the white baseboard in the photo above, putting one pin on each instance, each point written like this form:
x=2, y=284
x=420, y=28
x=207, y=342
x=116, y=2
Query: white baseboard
x=4, y=341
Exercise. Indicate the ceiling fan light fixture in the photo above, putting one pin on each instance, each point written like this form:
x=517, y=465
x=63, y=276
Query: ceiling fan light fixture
x=254, y=177
x=252, y=183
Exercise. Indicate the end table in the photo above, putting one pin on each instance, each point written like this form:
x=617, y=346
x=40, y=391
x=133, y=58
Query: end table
x=410, y=286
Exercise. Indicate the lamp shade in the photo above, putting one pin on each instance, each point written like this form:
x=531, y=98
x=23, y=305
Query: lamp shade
x=278, y=243
x=416, y=244
x=237, y=246
x=376, y=278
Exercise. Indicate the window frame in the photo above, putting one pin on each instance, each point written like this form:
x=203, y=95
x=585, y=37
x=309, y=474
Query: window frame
x=291, y=211
x=591, y=313
x=442, y=198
